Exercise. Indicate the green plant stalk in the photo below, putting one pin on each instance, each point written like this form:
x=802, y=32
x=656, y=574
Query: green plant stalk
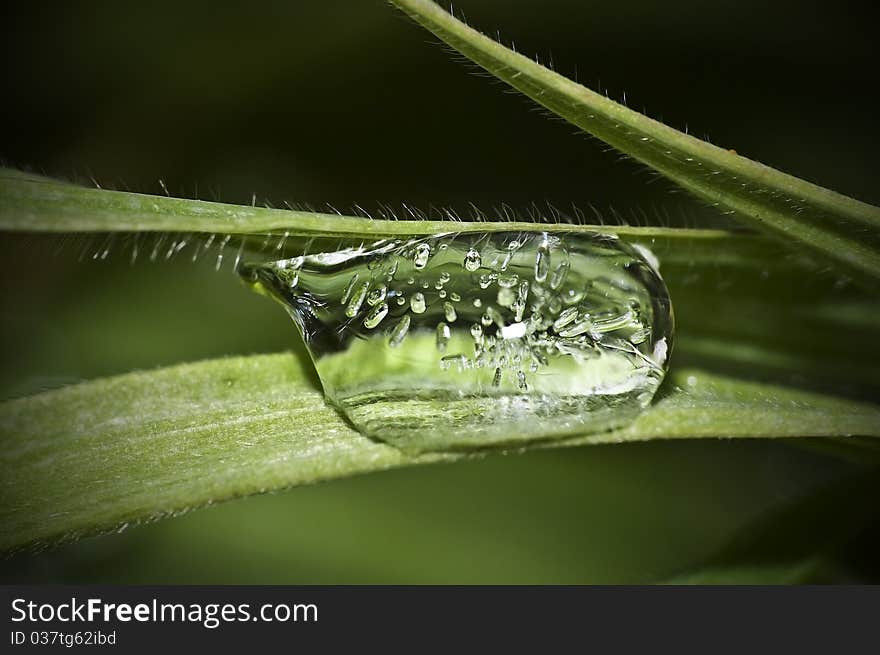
x=43, y=205
x=101, y=455
x=48, y=206
x=839, y=228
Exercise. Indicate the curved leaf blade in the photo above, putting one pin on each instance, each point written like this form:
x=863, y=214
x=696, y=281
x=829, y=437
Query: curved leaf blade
x=29, y=204
x=101, y=455
x=841, y=229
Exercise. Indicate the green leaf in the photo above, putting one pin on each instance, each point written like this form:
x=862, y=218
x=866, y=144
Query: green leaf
x=839, y=228
x=34, y=204
x=102, y=455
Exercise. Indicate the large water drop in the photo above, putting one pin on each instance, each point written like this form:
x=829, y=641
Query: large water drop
x=511, y=336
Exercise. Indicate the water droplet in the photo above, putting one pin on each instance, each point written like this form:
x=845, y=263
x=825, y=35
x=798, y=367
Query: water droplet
x=477, y=334
x=376, y=315
x=392, y=271
x=398, y=334
x=572, y=338
x=417, y=303
x=377, y=295
x=542, y=261
x=487, y=279
x=420, y=258
x=505, y=296
x=346, y=294
x=357, y=299
x=442, y=337
x=508, y=281
x=472, y=260
x=449, y=360
x=566, y=317
x=559, y=275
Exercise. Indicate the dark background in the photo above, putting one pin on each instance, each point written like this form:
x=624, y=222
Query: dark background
x=347, y=101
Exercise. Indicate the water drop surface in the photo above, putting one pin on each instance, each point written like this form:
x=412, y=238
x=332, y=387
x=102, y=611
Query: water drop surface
x=535, y=336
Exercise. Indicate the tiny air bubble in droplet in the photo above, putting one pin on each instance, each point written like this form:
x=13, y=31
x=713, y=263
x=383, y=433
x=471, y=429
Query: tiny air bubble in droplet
x=357, y=299
x=377, y=295
x=398, y=334
x=376, y=315
x=472, y=260
x=542, y=262
x=417, y=303
x=420, y=258
x=443, y=334
x=346, y=294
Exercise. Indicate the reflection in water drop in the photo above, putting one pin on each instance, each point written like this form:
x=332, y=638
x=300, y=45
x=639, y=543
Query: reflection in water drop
x=511, y=337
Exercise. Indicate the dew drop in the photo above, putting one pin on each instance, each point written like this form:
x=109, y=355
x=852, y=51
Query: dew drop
x=442, y=337
x=487, y=279
x=565, y=318
x=357, y=299
x=346, y=294
x=559, y=275
x=505, y=296
x=417, y=303
x=472, y=260
x=572, y=335
x=377, y=295
x=392, y=271
x=376, y=315
x=398, y=334
x=477, y=334
x=449, y=360
x=542, y=262
x=420, y=258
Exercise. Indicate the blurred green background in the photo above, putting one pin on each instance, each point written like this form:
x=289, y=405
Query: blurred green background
x=347, y=101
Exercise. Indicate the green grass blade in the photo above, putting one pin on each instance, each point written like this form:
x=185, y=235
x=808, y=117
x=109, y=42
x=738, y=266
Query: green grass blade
x=841, y=229
x=101, y=455
x=28, y=204
x=40, y=205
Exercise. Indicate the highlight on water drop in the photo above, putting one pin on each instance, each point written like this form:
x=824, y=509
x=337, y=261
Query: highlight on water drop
x=480, y=340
